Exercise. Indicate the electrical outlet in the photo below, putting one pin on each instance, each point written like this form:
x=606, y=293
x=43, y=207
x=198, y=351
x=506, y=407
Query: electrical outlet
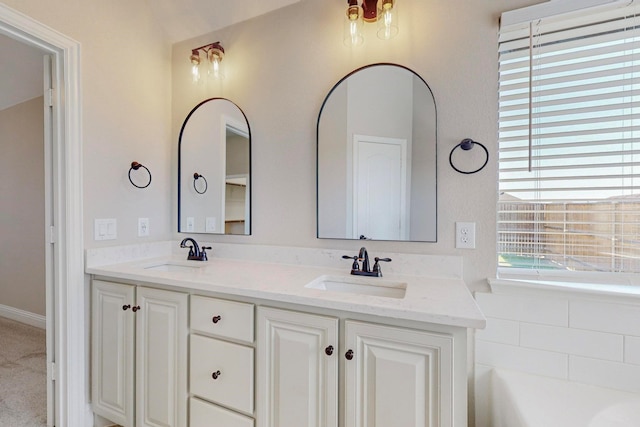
x=143, y=227
x=465, y=235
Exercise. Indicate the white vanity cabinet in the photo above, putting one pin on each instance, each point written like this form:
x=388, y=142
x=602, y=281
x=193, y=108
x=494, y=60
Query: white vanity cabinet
x=139, y=354
x=201, y=358
x=383, y=375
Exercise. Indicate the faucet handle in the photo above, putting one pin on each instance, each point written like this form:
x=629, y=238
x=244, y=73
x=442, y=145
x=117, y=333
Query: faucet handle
x=376, y=266
x=355, y=266
x=203, y=252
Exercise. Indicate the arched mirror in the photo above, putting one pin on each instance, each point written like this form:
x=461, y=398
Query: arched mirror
x=214, y=170
x=376, y=159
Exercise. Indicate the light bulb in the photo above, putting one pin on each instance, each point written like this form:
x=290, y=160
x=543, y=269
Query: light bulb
x=215, y=63
x=388, y=20
x=353, y=26
x=195, y=66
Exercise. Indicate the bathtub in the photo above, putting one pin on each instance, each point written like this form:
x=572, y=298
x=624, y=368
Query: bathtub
x=523, y=400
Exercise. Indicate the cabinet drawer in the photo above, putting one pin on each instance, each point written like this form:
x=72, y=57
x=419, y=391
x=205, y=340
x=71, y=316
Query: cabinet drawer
x=205, y=414
x=233, y=365
x=227, y=319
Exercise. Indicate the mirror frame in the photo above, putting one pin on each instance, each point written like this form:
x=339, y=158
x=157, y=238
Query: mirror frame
x=435, y=109
x=250, y=185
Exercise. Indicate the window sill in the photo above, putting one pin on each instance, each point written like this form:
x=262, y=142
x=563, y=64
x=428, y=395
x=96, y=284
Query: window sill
x=618, y=293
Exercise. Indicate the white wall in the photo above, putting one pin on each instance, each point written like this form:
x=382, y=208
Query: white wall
x=126, y=98
x=22, y=215
x=279, y=69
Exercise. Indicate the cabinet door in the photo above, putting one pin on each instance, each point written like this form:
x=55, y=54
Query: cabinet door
x=112, y=351
x=397, y=377
x=161, y=358
x=297, y=369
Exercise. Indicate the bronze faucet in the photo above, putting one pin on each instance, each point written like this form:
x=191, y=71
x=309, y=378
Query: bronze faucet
x=195, y=253
x=365, y=270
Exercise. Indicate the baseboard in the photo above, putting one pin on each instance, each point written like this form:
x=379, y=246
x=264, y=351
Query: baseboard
x=22, y=316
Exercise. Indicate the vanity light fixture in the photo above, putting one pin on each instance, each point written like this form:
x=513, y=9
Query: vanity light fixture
x=213, y=55
x=386, y=16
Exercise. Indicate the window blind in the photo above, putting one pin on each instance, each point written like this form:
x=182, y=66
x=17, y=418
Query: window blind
x=569, y=143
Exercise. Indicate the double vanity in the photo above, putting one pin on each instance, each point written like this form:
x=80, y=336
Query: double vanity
x=245, y=341
x=249, y=336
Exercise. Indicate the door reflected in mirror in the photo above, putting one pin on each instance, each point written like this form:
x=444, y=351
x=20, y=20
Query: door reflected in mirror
x=376, y=147
x=214, y=172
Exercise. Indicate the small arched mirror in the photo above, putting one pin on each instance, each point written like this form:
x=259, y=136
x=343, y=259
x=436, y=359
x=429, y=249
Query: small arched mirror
x=377, y=157
x=214, y=170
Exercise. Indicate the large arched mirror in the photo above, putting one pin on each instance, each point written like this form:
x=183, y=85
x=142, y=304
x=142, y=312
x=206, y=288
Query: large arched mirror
x=214, y=170
x=377, y=157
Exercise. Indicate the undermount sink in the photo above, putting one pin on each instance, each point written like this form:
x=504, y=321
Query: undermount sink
x=172, y=267
x=372, y=286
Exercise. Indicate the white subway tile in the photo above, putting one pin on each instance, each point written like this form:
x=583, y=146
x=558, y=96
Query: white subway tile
x=501, y=331
x=605, y=317
x=547, y=311
x=620, y=376
x=632, y=350
x=536, y=362
x=598, y=345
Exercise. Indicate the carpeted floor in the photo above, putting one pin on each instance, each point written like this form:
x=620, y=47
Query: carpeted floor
x=23, y=394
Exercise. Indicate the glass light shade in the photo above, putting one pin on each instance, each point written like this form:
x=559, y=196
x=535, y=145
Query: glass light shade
x=353, y=26
x=388, y=20
x=195, y=67
x=215, y=64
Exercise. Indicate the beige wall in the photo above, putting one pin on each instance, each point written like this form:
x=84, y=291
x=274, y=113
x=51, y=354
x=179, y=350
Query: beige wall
x=125, y=87
x=279, y=68
x=22, y=215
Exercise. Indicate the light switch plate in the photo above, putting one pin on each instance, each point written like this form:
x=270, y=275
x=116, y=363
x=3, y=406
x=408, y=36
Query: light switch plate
x=105, y=229
x=190, y=223
x=211, y=224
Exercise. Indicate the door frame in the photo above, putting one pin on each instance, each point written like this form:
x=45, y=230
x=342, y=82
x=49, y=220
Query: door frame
x=68, y=317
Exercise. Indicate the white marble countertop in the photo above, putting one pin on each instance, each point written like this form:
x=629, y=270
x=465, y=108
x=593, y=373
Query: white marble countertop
x=438, y=300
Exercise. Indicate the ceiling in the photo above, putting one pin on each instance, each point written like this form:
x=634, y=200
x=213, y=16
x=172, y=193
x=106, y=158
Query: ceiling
x=185, y=19
x=21, y=69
